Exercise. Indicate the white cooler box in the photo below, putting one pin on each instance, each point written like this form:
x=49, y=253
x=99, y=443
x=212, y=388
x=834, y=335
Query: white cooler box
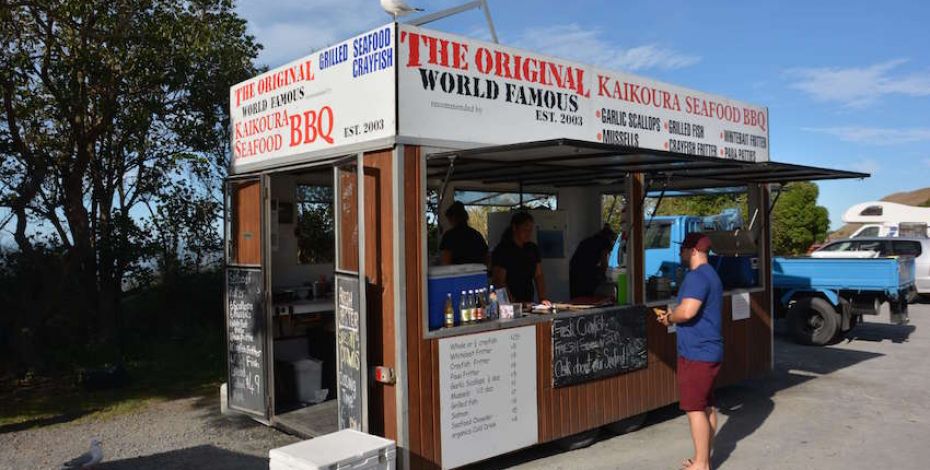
x=342, y=450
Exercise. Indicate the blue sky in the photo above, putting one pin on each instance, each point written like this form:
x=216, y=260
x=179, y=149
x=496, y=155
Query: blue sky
x=847, y=82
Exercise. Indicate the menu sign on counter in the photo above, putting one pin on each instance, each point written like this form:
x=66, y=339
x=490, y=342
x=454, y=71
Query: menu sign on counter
x=458, y=89
x=348, y=352
x=245, y=333
x=487, y=387
x=598, y=344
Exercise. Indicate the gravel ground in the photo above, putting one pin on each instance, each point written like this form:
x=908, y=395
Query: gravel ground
x=859, y=404
x=187, y=433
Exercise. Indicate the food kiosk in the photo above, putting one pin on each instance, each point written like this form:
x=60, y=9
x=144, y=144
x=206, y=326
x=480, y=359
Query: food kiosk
x=398, y=122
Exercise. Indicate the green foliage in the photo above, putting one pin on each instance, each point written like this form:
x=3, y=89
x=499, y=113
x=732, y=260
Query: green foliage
x=114, y=142
x=316, y=233
x=925, y=203
x=797, y=220
x=703, y=205
x=612, y=210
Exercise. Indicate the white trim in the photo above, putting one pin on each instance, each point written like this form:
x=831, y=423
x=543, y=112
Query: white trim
x=362, y=289
x=400, y=289
x=313, y=158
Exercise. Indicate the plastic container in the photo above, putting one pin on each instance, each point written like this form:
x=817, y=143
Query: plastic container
x=736, y=271
x=342, y=450
x=308, y=375
x=623, y=287
x=453, y=279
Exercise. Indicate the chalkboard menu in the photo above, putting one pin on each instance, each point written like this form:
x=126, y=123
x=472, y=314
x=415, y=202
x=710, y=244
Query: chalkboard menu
x=598, y=344
x=349, y=352
x=245, y=324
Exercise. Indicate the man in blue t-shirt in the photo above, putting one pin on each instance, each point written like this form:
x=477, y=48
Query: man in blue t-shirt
x=700, y=345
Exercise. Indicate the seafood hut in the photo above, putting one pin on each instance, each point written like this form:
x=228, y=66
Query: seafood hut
x=345, y=309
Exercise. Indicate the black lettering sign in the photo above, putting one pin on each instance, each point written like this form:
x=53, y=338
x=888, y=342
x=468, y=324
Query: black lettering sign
x=245, y=325
x=349, y=350
x=598, y=344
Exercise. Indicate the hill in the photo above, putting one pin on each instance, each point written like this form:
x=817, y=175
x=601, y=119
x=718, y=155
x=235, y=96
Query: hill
x=918, y=197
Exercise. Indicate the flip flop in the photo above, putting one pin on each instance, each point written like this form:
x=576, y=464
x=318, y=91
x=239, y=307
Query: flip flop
x=686, y=463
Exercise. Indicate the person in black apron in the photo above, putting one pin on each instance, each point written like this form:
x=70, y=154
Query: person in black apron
x=588, y=267
x=515, y=262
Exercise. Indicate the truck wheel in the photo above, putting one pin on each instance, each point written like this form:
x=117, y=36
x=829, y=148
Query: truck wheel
x=813, y=321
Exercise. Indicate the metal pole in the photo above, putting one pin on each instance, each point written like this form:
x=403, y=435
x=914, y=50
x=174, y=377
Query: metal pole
x=362, y=289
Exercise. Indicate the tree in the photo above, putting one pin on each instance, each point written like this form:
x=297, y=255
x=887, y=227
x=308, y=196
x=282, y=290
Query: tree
x=110, y=107
x=797, y=220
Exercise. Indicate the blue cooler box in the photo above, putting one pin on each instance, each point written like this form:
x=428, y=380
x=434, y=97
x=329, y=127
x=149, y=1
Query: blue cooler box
x=451, y=279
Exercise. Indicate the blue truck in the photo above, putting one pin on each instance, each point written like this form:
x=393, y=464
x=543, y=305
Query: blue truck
x=822, y=299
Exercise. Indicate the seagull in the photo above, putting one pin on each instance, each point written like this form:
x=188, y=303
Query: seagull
x=398, y=8
x=88, y=459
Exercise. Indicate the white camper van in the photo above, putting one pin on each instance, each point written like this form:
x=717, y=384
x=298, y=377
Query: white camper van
x=888, y=219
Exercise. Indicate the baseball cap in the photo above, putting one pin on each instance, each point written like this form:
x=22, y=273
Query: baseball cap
x=698, y=241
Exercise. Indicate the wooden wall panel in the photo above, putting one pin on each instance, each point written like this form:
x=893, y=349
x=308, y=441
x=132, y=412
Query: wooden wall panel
x=379, y=269
x=422, y=355
x=348, y=218
x=247, y=223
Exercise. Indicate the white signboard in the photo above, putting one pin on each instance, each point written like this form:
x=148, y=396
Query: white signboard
x=340, y=96
x=487, y=386
x=740, y=306
x=452, y=88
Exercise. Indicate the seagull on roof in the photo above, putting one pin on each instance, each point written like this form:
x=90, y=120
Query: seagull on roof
x=397, y=8
x=88, y=459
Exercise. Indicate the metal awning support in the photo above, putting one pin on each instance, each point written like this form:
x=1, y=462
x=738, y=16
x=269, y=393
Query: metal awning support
x=658, y=203
x=442, y=189
x=774, y=201
x=570, y=162
x=483, y=4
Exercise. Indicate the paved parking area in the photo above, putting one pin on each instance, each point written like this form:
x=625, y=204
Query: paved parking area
x=861, y=404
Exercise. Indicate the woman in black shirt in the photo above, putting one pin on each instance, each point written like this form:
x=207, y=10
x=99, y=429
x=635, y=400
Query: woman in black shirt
x=515, y=263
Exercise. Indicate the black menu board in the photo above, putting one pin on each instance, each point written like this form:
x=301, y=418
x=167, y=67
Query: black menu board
x=598, y=344
x=245, y=325
x=349, y=352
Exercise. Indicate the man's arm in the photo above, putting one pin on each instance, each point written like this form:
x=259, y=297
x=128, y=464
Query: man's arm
x=684, y=312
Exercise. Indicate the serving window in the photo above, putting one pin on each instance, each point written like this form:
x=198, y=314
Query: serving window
x=730, y=217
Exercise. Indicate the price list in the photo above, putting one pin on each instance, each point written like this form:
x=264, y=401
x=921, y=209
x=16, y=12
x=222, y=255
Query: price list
x=487, y=384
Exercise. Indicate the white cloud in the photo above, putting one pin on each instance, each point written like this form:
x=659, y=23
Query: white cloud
x=866, y=165
x=859, y=86
x=875, y=135
x=588, y=45
x=290, y=29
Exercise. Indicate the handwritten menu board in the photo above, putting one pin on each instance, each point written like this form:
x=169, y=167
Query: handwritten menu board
x=348, y=346
x=245, y=323
x=598, y=344
x=487, y=386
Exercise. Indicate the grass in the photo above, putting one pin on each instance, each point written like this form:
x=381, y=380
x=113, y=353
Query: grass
x=159, y=371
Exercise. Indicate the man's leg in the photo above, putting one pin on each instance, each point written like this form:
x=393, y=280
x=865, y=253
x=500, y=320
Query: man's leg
x=701, y=436
x=712, y=419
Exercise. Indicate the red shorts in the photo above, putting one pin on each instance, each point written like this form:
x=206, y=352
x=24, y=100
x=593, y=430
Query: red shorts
x=696, y=384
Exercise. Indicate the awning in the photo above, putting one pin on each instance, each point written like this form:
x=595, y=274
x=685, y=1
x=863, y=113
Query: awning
x=568, y=162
